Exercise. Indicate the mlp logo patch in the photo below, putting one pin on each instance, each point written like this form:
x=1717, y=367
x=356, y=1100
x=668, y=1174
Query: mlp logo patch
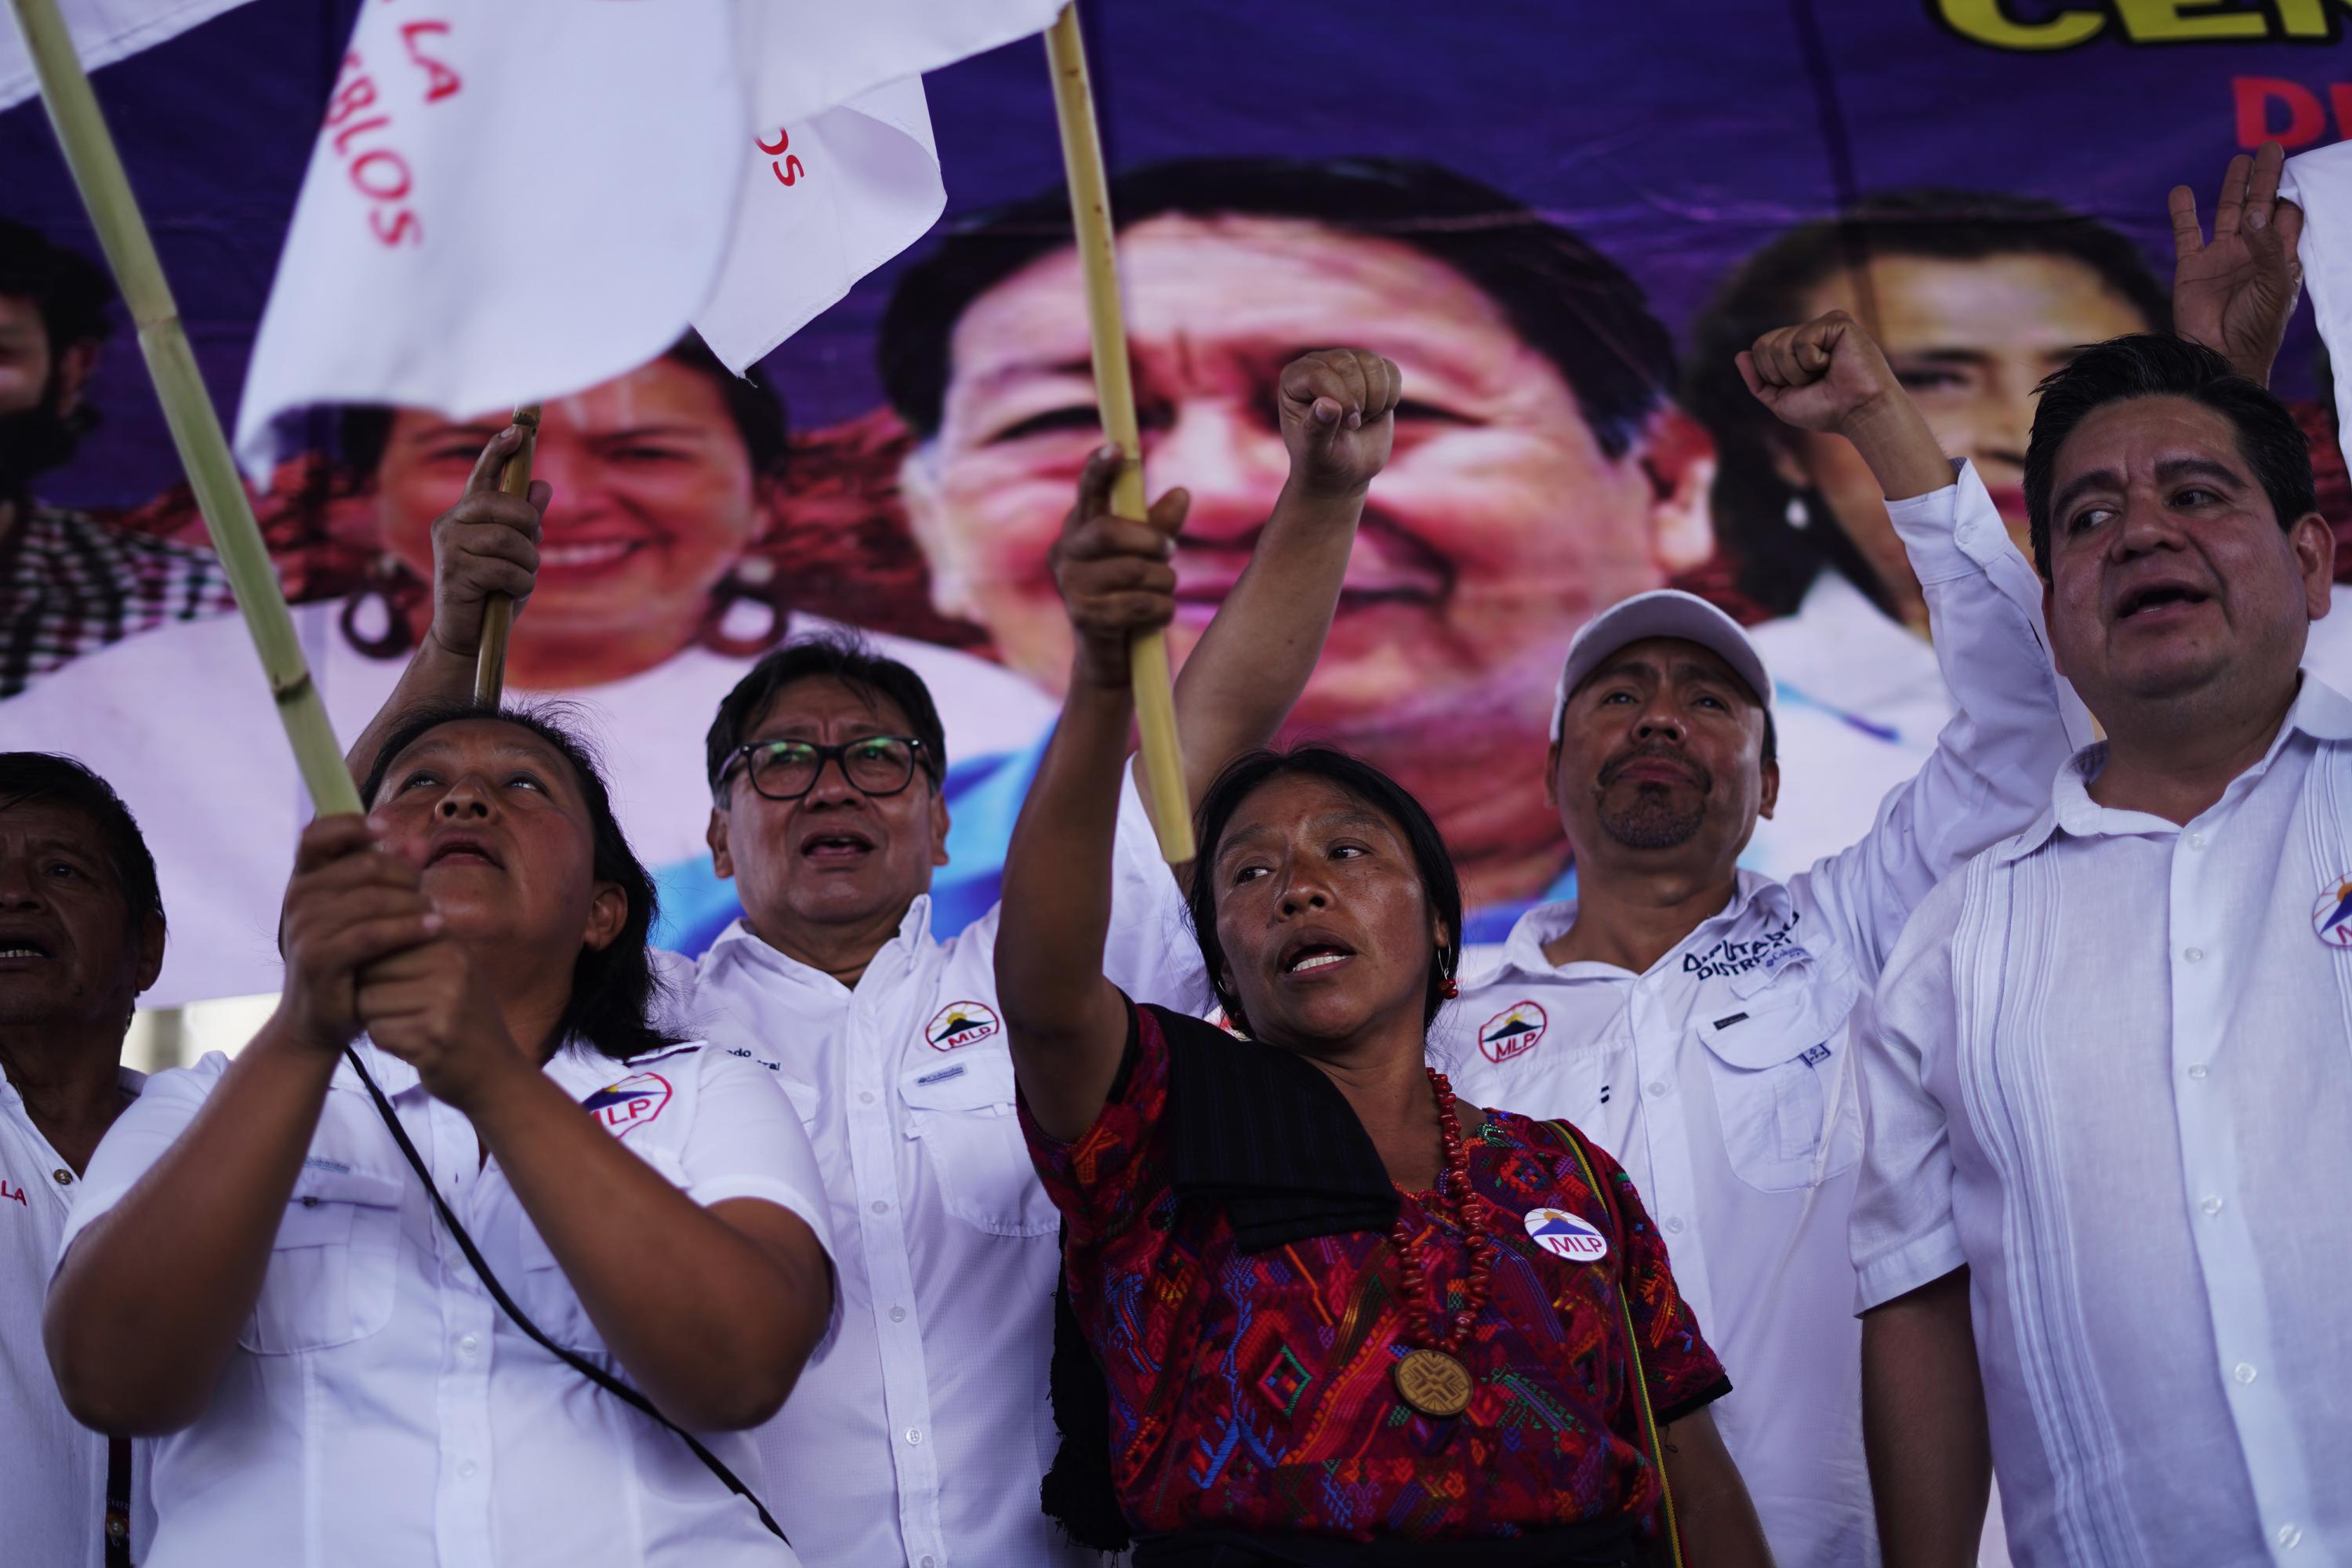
x=2332, y=916
x=958, y=1025
x=1563, y=1235
x=1513, y=1032
x=625, y=1106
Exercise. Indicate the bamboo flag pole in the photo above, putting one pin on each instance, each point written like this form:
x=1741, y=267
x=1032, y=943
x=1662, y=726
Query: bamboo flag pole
x=498, y=616
x=187, y=407
x=1155, y=703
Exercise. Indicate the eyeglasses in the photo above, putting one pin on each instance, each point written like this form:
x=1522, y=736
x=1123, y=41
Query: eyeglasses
x=787, y=770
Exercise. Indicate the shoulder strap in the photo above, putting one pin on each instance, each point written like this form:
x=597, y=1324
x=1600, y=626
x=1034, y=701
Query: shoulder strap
x=1648, y=1433
x=579, y=1363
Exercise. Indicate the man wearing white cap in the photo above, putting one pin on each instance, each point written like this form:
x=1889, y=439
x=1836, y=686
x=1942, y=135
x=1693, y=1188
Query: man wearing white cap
x=1694, y=1018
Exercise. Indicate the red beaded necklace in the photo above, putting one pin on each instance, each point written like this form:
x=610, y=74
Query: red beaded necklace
x=1430, y=1377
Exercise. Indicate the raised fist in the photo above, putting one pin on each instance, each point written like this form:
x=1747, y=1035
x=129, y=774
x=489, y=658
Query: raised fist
x=1826, y=374
x=1338, y=417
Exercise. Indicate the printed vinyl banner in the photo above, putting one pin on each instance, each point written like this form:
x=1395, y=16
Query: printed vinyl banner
x=1560, y=221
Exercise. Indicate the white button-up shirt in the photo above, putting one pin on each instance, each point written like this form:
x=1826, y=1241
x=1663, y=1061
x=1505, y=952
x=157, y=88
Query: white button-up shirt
x=1720, y=1079
x=52, y=1468
x=2114, y=1080
x=921, y=1438
x=380, y=1408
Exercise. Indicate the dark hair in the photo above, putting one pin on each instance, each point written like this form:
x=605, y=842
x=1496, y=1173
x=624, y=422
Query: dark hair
x=363, y=430
x=44, y=778
x=613, y=989
x=1775, y=564
x=72, y=294
x=1569, y=302
x=833, y=655
x=2151, y=364
x=1367, y=784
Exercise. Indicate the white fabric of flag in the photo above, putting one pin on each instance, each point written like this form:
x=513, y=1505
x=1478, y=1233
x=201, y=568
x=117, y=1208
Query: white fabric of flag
x=104, y=31
x=2320, y=183
x=825, y=202
x=512, y=200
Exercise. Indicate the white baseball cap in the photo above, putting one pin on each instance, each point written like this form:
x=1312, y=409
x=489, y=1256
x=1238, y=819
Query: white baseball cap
x=1661, y=612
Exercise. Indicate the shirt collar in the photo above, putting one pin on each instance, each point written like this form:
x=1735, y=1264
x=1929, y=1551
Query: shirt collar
x=898, y=958
x=1524, y=950
x=578, y=1068
x=130, y=1080
x=2319, y=711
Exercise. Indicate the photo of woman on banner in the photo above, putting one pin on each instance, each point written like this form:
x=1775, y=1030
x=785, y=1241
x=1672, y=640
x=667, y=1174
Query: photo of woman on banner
x=1975, y=296
x=655, y=593
x=1541, y=469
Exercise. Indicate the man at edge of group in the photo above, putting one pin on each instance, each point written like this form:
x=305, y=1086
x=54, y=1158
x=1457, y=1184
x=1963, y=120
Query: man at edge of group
x=81, y=935
x=921, y=1436
x=1698, y=1018
x=2097, y=1246
x=1701, y=1020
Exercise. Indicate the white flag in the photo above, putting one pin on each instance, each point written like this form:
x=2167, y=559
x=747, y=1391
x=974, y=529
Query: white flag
x=104, y=31
x=2320, y=183
x=823, y=203
x=511, y=200
x=814, y=54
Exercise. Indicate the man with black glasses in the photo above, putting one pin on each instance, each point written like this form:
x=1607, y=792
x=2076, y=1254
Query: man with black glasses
x=921, y=1435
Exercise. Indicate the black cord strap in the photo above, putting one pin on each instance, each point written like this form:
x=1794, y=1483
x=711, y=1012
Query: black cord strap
x=579, y=1363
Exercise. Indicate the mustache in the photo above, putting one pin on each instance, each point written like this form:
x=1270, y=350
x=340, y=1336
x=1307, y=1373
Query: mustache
x=1612, y=770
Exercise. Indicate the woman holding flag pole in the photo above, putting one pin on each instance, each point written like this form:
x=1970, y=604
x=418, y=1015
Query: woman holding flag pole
x=420, y=1307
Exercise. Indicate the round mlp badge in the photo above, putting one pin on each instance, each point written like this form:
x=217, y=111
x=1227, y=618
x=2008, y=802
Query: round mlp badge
x=1563, y=1235
x=2332, y=916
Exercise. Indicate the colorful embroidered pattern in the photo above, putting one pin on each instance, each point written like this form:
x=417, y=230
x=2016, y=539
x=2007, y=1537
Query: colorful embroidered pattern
x=1253, y=1392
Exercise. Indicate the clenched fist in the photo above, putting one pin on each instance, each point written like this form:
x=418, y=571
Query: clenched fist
x=487, y=543
x=1826, y=374
x=1338, y=419
x=1116, y=574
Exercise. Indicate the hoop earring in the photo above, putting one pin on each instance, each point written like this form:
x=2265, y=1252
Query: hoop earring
x=387, y=585
x=752, y=580
x=1799, y=516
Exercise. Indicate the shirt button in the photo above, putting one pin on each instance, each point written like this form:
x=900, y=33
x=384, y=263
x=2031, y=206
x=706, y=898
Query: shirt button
x=1658, y=1087
x=881, y=1207
x=914, y=1434
x=2197, y=841
x=2244, y=1371
x=2197, y=1069
x=465, y=1468
x=64, y=1177
x=2193, y=954
x=927, y=1563
x=1675, y=1224
x=470, y=1345
x=2289, y=1536
x=2211, y=1207
x=897, y=1314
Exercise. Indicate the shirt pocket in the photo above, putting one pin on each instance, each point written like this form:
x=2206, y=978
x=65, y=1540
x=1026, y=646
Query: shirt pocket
x=1777, y=1057
x=961, y=1111
x=332, y=1265
x=545, y=1292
